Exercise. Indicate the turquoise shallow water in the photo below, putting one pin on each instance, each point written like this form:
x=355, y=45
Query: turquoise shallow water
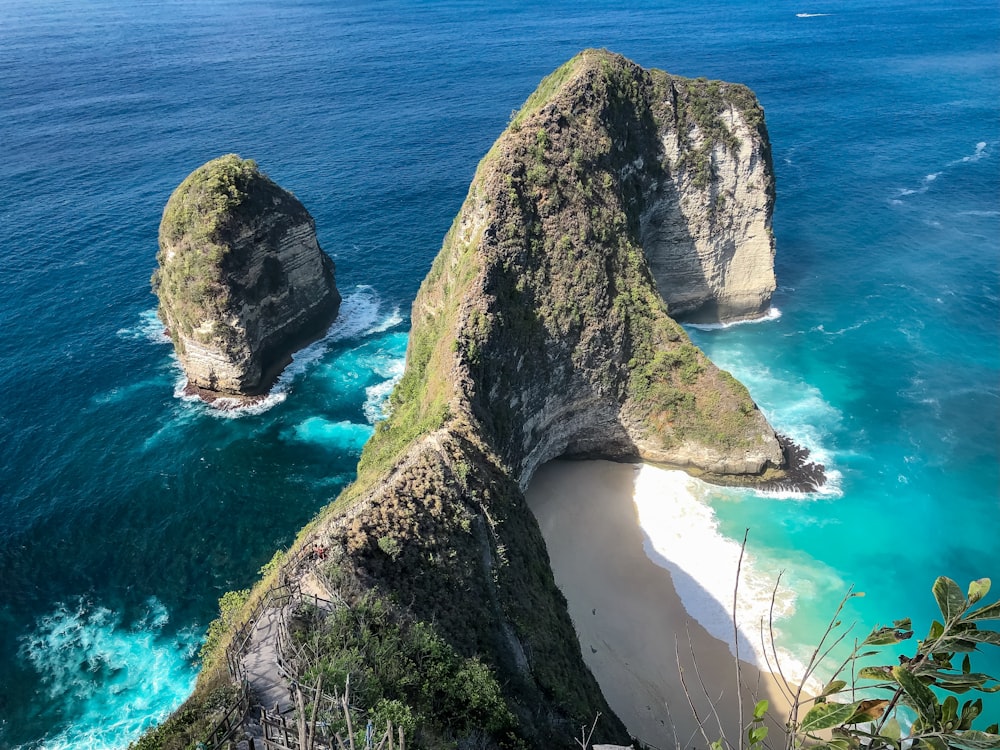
x=125, y=511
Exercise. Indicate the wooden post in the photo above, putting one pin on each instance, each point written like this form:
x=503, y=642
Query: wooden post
x=347, y=711
x=316, y=701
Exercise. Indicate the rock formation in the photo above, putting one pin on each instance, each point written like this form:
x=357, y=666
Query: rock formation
x=242, y=281
x=542, y=331
x=616, y=195
x=706, y=221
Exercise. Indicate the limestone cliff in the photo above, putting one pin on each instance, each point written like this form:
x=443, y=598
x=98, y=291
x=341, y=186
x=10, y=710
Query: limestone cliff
x=541, y=331
x=706, y=222
x=242, y=282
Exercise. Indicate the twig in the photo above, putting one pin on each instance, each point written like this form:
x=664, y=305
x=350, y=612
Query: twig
x=347, y=710
x=736, y=637
x=584, y=740
x=317, y=699
x=687, y=694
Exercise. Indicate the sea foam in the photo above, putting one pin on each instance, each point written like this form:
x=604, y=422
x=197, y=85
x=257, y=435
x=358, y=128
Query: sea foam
x=360, y=316
x=342, y=436
x=682, y=534
x=108, y=677
x=773, y=313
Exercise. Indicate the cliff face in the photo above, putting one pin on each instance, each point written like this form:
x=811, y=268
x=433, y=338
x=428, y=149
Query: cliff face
x=706, y=227
x=542, y=330
x=242, y=281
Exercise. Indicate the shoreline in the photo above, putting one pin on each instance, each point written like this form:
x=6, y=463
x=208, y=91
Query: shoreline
x=631, y=623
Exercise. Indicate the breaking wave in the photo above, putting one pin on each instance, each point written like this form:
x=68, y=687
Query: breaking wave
x=773, y=313
x=105, y=675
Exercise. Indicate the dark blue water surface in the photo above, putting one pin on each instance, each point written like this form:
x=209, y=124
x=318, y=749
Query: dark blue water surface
x=126, y=511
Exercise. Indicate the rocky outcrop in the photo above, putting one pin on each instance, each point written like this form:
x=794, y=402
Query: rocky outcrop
x=242, y=281
x=706, y=226
x=542, y=330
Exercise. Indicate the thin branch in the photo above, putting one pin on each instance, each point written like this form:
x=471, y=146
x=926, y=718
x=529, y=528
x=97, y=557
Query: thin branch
x=736, y=636
x=712, y=703
x=584, y=740
x=774, y=649
x=814, y=659
x=687, y=694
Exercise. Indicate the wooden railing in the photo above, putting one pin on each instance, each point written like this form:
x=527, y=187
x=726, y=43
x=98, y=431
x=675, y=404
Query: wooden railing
x=232, y=722
x=235, y=718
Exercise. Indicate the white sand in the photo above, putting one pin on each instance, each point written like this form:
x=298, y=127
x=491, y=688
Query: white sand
x=627, y=614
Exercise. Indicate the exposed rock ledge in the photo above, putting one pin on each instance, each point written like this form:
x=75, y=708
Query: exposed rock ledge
x=242, y=281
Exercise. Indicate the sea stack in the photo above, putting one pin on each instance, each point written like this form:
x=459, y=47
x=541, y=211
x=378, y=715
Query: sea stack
x=242, y=281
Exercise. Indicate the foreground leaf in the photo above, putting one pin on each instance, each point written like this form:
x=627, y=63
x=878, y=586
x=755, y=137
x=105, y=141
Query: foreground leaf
x=951, y=601
x=868, y=710
x=923, y=700
x=826, y=715
x=992, y=612
x=834, y=686
x=892, y=730
x=886, y=637
x=975, y=740
x=978, y=589
x=760, y=709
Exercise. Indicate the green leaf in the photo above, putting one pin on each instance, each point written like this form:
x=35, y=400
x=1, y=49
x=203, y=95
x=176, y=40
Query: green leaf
x=757, y=734
x=975, y=740
x=970, y=710
x=876, y=673
x=840, y=743
x=949, y=713
x=834, y=686
x=892, y=731
x=923, y=700
x=951, y=601
x=936, y=631
x=978, y=589
x=867, y=710
x=886, y=636
x=992, y=612
x=966, y=665
x=826, y=715
x=760, y=709
x=978, y=636
x=904, y=624
x=846, y=737
x=933, y=741
x=971, y=680
x=962, y=646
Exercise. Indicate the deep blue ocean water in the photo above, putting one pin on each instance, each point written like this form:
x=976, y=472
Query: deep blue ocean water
x=126, y=511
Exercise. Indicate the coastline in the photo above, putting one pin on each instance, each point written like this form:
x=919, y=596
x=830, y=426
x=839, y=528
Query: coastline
x=629, y=618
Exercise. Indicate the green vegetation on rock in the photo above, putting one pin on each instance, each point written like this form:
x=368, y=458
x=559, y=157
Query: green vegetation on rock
x=195, y=222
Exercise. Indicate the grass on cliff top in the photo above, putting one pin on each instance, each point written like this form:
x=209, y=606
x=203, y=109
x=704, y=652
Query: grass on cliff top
x=420, y=401
x=189, y=279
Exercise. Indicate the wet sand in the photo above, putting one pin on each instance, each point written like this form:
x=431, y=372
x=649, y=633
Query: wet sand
x=629, y=619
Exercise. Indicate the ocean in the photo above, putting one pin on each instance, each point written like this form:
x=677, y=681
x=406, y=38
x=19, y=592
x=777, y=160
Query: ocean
x=127, y=510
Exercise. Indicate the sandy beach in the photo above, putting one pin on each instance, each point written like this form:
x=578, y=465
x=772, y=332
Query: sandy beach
x=629, y=619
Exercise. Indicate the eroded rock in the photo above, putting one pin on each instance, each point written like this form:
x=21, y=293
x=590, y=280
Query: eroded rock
x=242, y=281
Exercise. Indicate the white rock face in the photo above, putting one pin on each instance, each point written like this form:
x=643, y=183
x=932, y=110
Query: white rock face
x=710, y=246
